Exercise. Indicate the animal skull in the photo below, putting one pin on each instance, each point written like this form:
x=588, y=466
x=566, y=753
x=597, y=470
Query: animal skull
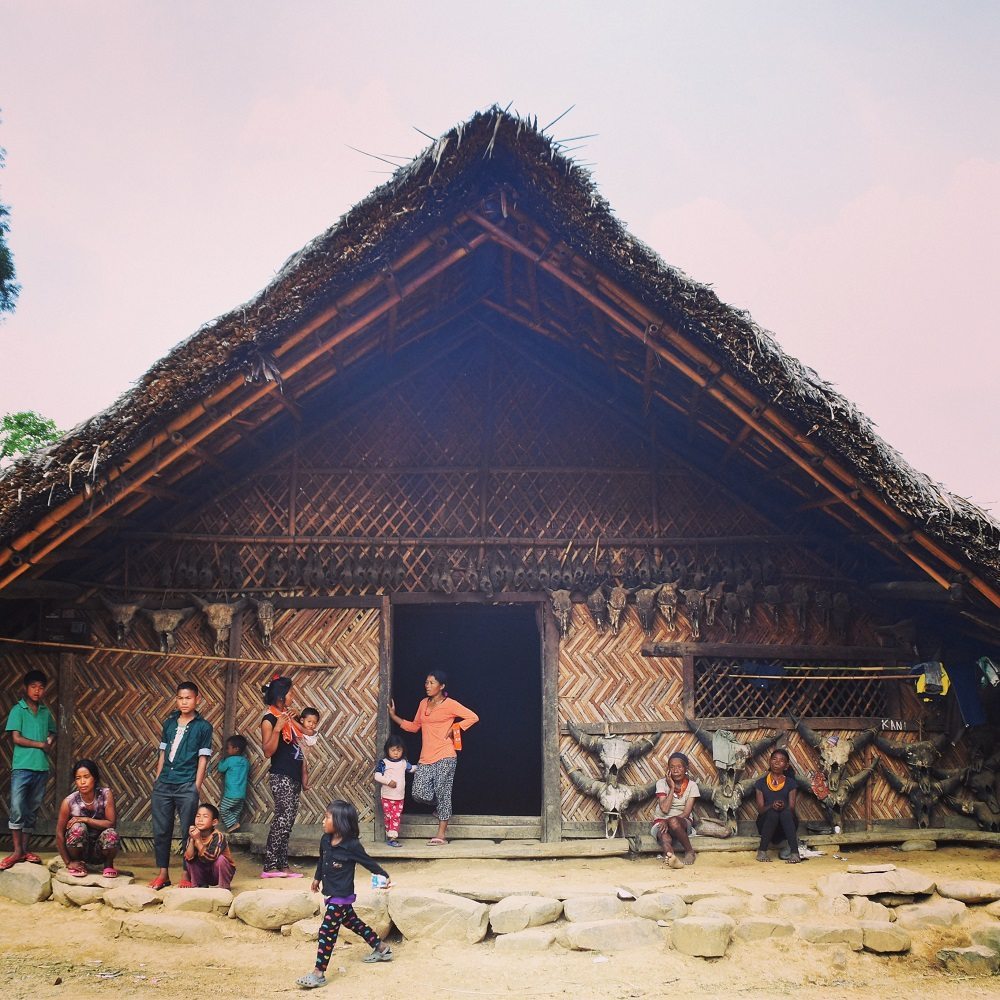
x=219, y=618
x=265, y=618
x=645, y=607
x=165, y=622
x=562, y=608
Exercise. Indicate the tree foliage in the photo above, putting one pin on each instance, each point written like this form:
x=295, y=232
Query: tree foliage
x=25, y=431
x=9, y=287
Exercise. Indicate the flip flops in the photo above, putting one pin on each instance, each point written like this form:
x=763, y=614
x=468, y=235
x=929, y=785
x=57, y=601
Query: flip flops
x=33, y=859
x=110, y=872
x=159, y=883
x=77, y=871
x=274, y=875
x=436, y=842
x=9, y=862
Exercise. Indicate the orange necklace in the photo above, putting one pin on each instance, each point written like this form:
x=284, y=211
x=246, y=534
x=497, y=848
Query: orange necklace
x=774, y=784
x=683, y=787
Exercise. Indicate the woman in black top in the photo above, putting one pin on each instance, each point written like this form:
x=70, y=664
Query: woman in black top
x=280, y=738
x=340, y=852
x=777, y=792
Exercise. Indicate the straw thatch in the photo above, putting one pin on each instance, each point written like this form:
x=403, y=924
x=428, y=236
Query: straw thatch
x=452, y=173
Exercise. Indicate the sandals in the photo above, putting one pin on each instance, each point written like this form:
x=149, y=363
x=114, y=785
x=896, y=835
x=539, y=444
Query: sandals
x=77, y=870
x=185, y=884
x=9, y=862
x=311, y=981
x=271, y=874
x=33, y=859
x=160, y=882
x=110, y=872
x=436, y=842
x=378, y=956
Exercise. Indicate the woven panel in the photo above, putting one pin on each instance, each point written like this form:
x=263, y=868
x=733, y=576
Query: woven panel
x=142, y=691
x=259, y=507
x=343, y=687
x=691, y=504
x=14, y=664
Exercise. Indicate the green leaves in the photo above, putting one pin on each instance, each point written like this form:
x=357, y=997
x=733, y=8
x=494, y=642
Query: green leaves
x=24, y=432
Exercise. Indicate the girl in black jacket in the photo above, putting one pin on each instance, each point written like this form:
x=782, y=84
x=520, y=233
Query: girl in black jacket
x=339, y=853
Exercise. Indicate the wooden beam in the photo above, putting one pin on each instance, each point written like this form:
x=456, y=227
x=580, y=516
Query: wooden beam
x=749, y=651
x=232, y=681
x=66, y=709
x=551, y=792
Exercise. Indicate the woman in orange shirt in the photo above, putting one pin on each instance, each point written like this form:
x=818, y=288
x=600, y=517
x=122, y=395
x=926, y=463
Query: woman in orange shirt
x=435, y=720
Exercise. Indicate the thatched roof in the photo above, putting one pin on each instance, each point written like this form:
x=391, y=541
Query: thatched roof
x=457, y=171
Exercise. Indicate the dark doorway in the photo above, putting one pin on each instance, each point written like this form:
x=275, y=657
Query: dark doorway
x=492, y=655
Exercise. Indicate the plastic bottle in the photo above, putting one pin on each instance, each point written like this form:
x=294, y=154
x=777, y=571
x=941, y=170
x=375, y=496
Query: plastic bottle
x=456, y=736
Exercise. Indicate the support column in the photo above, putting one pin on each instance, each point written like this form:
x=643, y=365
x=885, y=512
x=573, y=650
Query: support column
x=65, y=707
x=551, y=795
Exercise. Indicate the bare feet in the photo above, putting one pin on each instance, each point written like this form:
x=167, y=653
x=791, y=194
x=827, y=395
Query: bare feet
x=763, y=856
x=689, y=858
x=672, y=860
x=793, y=860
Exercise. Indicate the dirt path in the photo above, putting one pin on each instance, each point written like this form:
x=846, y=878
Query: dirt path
x=46, y=943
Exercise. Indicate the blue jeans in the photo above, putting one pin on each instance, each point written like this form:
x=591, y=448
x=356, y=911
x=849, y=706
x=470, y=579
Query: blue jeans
x=27, y=789
x=167, y=799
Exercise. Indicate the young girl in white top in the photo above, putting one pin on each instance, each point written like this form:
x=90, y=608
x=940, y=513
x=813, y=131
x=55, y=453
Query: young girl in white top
x=390, y=773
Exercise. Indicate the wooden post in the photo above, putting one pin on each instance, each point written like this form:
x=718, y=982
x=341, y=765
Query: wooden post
x=551, y=795
x=384, y=693
x=232, y=690
x=65, y=706
x=687, y=681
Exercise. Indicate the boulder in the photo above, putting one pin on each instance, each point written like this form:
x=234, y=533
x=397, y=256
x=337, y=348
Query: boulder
x=728, y=905
x=587, y=909
x=611, y=935
x=839, y=906
x=832, y=932
x=373, y=908
x=883, y=938
x=159, y=926
x=703, y=937
x=532, y=939
x=794, y=906
x=61, y=875
x=760, y=928
x=918, y=845
x=26, y=883
x=269, y=909
x=692, y=895
x=932, y=913
x=978, y=960
x=132, y=898
x=517, y=913
x=658, y=906
x=893, y=899
x=776, y=895
x=303, y=930
x=438, y=916
x=869, y=869
x=993, y=909
x=970, y=890
x=491, y=894
x=211, y=899
x=76, y=895
x=900, y=882
x=868, y=909
x=988, y=936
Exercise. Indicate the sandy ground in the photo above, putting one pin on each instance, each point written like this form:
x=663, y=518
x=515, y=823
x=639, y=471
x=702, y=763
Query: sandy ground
x=52, y=951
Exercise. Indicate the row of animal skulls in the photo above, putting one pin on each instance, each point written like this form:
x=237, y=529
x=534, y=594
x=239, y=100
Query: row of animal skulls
x=607, y=602
x=165, y=621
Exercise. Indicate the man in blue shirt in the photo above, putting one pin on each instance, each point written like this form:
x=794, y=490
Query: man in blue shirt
x=33, y=730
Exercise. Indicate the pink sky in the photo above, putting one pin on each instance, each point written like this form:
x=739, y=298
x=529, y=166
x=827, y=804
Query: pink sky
x=835, y=171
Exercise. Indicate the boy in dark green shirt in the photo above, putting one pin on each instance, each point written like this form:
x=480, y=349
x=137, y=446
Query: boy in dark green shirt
x=33, y=730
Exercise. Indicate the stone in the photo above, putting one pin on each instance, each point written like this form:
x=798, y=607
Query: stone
x=210, y=899
x=932, y=913
x=883, y=938
x=867, y=909
x=970, y=890
x=869, y=869
x=993, y=909
x=587, y=909
x=304, y=930
x=26, y=883
x=658, y=906
x=61, y=875
x=132, y=898
x=693, y=895
x=703, y=937
x=159, y=926
x=438, y=916
x=491, y=894
x=832, y=932
x=728, y=905
x=892, y=899
x=612, y=935
x=794, y=906
x=918, y=845
x=838, y=906
x=900, y=881
x=760, y=928
x=268, y=909
x=532, y=939
x=373, y=908
x=776, y=895
x=988, y=936
x=517, y=913
x=76, y=895
x=977, y=960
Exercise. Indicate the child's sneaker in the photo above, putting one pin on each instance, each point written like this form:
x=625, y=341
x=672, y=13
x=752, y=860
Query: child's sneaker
x=392, y=842
x=379, y=956
x=311, y=980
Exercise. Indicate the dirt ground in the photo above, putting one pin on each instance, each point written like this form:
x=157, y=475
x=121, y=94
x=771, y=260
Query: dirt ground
x=52, y=951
